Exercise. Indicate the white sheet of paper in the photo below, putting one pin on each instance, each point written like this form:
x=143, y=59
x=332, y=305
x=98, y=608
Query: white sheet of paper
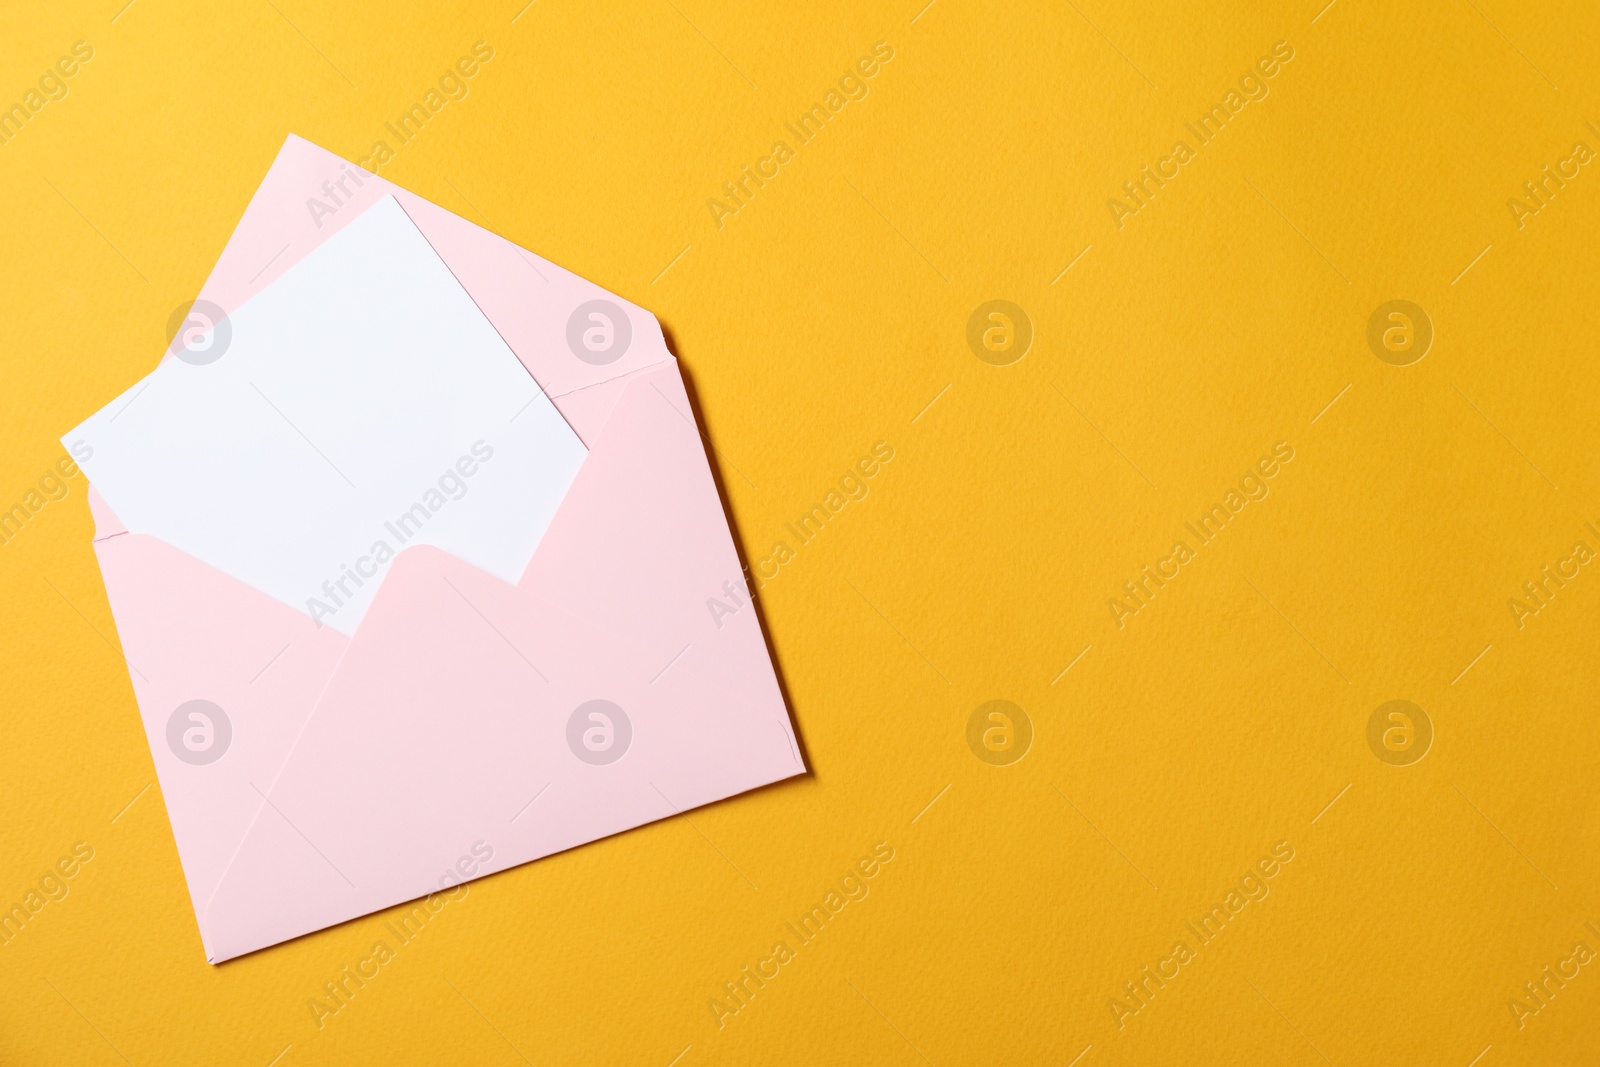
x=363, y=404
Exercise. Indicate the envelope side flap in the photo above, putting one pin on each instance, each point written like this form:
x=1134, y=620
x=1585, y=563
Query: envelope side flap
x=642, y=545
x=588, y=410
x=225, y=678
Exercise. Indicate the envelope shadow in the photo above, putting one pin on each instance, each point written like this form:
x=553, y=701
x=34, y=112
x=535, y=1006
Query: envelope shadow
x=712, y=460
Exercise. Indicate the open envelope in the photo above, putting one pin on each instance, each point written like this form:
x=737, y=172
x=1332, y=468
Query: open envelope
x=468, y=725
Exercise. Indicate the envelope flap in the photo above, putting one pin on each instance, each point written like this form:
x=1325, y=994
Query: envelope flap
x=546, y=314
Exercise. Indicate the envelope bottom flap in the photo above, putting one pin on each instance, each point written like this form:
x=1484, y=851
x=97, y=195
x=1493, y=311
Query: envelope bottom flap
x=474, y=725
x=477, y=726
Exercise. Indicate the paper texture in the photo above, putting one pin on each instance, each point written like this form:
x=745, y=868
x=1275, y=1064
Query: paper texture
x=359, y=404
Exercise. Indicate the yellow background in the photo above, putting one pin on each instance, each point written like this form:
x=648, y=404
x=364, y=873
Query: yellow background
x=1226, y=716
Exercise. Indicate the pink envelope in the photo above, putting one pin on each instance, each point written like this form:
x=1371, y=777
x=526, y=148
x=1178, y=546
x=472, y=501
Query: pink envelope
x=468, y=725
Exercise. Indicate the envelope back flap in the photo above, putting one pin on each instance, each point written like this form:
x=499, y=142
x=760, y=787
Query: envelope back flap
x=310, y=193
